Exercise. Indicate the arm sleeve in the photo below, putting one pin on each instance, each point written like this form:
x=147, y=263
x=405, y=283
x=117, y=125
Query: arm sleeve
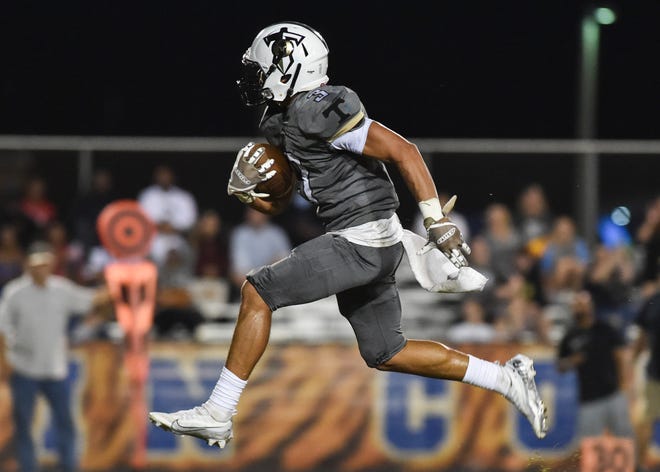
x=79, y=298
x=5, y=316
x=355, y=139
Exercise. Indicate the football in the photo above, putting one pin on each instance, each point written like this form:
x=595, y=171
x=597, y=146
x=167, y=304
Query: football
x=281, y=184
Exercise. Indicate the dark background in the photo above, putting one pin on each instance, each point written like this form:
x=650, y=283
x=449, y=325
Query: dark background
x=503, y=68
x=486, y=68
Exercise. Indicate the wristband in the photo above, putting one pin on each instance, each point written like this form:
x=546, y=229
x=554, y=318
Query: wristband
x=431, y=209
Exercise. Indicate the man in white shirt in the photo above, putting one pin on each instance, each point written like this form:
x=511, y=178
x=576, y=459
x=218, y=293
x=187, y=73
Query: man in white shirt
x=34, y=315
x=254, y=243
x=172, y=208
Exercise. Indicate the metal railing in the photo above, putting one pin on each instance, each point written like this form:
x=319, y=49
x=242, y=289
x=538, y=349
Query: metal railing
x=586, y=195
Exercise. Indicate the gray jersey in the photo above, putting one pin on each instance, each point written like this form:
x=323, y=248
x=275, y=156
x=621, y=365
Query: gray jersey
x=348, y=189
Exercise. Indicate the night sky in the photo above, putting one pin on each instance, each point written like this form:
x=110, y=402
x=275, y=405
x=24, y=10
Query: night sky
x=504, y=68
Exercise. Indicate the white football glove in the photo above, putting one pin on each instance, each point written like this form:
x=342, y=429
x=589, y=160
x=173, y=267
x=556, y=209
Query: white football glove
x=444, y=235
x=245, y=175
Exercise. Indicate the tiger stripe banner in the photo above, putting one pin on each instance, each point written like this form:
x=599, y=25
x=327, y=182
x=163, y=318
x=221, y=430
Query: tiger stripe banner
x=313, y=408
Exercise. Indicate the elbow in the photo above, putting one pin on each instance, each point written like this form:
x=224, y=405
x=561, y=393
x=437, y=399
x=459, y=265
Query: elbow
x=404, y=151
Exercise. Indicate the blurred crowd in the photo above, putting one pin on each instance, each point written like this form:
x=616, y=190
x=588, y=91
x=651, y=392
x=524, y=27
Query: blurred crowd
x=536, y=260
x=201, y=259
x=595, y=302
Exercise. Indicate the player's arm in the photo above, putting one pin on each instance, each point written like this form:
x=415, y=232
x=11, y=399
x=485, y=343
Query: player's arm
x=566, y=359
x=640, y=345
x=386, y=145
x=274, y=207
x=570, y=362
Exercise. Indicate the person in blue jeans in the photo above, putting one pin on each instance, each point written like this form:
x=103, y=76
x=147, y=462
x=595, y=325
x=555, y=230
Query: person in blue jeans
x=24, y=391
x=34, y=317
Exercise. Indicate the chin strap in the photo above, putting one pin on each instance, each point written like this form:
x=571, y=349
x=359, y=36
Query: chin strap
x=289, y=92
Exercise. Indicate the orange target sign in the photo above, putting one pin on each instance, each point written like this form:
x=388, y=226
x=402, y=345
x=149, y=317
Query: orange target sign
x=125, y=229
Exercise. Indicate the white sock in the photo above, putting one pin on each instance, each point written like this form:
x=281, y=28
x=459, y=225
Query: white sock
x=486, y=375
x=225, y=395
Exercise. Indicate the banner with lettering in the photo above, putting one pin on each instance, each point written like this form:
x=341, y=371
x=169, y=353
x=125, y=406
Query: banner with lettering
x=313, y=408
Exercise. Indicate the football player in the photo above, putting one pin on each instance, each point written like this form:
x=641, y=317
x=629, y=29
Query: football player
x=339, y=156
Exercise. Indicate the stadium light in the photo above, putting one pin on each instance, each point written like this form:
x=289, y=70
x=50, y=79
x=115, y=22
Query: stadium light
x=587, y=196
x=604, y=15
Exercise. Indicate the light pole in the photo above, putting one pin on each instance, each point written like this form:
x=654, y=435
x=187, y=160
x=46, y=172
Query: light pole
x=587, y=194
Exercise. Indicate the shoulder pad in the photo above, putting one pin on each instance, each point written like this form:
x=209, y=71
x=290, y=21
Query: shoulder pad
x=328, y=112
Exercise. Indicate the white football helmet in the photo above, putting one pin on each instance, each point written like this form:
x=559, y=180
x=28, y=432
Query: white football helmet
x=284, y=59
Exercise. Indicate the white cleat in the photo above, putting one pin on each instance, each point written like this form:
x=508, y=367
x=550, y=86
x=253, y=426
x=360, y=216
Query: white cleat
x=163, y=420
x=196, y=422
x=214, y=442
x=523, y=393
x=199, y=423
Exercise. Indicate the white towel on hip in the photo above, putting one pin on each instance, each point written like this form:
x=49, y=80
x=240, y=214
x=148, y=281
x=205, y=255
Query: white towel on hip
x=435, y=272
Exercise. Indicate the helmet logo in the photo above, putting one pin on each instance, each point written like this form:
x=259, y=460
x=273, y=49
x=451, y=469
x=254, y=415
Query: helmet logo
x=282, y=44
x=282, y=48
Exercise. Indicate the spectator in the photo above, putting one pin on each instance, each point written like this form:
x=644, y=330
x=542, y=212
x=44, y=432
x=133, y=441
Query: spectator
x=529, y=268
x=177, y=269
x=176, y=315
x=598, y=353
x=648, y=236
x=610, y=279
x=209, y=242
x=35, y=208
x=648, y=319
x=503, y=240
x=564, y=262
x=255, y=243
x=172, y=208
x=473, y=328
x=69, y=257
x=88, y=207
x=533, y=218
x=525, y=281
x=11, y=254
x=92, y=271
x=480, y=261
x=520, y=319
x=34, y=314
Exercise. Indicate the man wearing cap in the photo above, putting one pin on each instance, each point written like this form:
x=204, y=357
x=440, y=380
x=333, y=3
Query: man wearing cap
x=34, y=316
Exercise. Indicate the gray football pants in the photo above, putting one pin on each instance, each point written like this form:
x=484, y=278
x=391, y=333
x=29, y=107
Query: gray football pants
x=362, y=277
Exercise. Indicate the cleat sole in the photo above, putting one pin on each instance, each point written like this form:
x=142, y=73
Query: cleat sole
x=221, y=443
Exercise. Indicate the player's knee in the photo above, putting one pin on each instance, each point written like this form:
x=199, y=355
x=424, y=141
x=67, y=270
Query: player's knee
x=251, y=301
x=388, y=365
x=376, y=359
